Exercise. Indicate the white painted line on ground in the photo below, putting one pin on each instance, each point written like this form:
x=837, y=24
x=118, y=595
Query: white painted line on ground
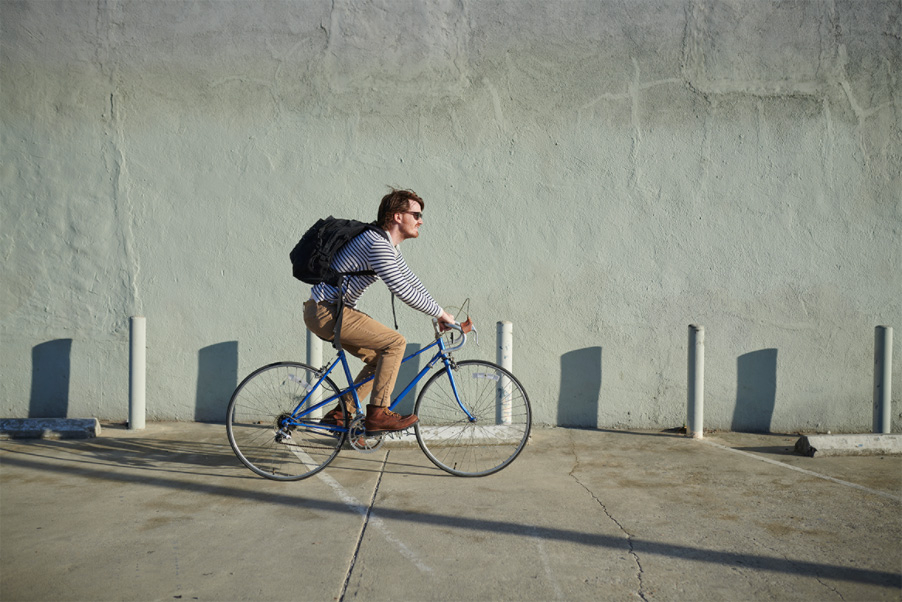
x=895, y=498
x=543, y=554
x=361, y=509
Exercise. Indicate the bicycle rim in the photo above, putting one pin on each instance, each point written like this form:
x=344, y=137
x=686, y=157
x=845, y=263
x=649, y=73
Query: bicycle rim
x=261, y=403
x=480, y=447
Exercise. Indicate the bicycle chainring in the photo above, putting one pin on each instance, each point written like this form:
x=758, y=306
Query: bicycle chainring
x=359, y=440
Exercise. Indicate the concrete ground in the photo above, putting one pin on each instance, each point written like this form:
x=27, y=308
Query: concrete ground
x=169, y=513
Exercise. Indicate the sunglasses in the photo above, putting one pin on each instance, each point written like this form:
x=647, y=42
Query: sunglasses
x=416, y=214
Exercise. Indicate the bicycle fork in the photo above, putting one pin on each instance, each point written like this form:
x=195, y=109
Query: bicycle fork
x=449, y=367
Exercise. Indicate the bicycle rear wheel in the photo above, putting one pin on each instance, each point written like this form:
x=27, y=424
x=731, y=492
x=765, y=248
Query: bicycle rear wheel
x=262, y=433
x=497, y=432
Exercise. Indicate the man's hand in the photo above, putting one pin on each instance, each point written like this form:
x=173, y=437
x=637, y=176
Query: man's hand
x=444, y=320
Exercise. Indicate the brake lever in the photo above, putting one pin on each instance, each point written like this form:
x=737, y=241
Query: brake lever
x=467, y=326
x=464, y=328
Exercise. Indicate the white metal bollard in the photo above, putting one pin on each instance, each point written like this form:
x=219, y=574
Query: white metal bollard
x=506, y=361
x=696, y=389
x=137, y=372
x=315, y=360
x=883, y=379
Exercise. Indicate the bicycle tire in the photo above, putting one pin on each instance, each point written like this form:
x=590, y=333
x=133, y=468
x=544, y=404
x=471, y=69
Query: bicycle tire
x=485, y=445
x=257, y=408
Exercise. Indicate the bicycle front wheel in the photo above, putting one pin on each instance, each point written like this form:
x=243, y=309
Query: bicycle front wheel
x=263, y=433
x=474, y=419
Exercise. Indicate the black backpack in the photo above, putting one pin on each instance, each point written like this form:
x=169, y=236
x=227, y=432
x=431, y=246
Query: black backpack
x=311, y=258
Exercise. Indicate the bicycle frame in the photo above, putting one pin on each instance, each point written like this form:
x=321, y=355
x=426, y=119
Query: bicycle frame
x=297, y=416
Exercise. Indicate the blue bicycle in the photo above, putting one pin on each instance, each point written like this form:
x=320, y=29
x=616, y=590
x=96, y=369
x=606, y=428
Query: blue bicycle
x=474, y=416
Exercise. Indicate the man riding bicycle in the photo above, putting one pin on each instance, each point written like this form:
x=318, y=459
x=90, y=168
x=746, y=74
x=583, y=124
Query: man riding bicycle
x=379, y=347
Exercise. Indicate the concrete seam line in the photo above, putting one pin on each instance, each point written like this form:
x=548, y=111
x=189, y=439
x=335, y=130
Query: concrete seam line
x=352, y=503
x=366, y=517
x=369, y=519
x=803, y=470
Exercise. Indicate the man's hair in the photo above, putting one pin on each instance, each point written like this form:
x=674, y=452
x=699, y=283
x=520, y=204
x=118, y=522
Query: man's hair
x=396, y=201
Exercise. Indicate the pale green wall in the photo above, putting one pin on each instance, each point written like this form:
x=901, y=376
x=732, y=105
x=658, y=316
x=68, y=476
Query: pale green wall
x=601, y=173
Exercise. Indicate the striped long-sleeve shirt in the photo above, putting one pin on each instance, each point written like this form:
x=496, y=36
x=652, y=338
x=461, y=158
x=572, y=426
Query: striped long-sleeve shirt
x=371, y=251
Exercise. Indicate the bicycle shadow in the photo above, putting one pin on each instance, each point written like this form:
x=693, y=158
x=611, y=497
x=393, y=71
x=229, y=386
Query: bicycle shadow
x=777, y=565
x=203, y=458
x=383, y=462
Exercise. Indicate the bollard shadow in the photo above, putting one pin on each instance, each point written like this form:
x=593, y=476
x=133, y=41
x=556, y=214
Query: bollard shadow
x=217, y=377
x=756, y=391
x=151, y=454
x=580, y=388
x=607, y=543
x=50, y=375
x=408, y=371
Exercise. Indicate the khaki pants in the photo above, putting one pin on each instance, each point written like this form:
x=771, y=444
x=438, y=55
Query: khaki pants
x=379, y=347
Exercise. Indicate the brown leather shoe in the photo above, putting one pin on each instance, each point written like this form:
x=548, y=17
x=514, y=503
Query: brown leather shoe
x=380, y=420
x=334, y=417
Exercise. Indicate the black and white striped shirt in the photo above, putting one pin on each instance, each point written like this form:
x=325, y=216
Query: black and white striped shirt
x=371, y=251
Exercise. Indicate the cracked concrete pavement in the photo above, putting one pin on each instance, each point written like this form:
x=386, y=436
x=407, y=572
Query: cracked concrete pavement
x=169, y=513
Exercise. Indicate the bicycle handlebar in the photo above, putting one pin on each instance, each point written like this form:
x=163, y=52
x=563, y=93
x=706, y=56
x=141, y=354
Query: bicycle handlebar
x=462, y=328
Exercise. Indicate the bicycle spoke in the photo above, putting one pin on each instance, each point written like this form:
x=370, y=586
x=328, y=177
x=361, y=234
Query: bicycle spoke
x=259, y=426
x=499, y=429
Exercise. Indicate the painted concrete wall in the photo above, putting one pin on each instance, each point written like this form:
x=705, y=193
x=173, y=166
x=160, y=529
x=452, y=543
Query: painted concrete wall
x=601, y=173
